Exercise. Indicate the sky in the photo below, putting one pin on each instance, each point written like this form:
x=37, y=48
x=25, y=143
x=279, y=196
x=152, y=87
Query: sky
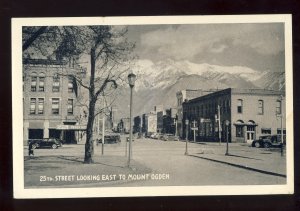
x=259, y=46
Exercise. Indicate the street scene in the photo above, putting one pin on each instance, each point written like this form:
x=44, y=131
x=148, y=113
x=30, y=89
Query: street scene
x=154, y=105
x=205, y=164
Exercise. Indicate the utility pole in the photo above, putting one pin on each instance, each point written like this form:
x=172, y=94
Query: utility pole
x=175, y=120
x=103, y=129
x=103, y=135
x=186, y=136
x=194, y=130
x=227, y=125
x=126, y=147
x=219, y=124
x=281, y=115
x=281, y=125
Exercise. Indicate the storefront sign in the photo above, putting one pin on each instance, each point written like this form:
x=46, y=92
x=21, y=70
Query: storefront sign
x=204, y=120
x=71, y=127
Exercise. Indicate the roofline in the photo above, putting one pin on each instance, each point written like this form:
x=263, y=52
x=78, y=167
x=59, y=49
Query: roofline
x=236, y=91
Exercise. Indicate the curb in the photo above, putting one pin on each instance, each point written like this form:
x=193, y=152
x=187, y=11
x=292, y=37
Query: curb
x=242, y=166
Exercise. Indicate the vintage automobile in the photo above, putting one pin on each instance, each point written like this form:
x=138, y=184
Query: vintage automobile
x=267, y=141
x=53, y=143
x=169, y=137
x=110, y=139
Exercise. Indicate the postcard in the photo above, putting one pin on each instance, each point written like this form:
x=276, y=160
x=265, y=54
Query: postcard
x=152, y=106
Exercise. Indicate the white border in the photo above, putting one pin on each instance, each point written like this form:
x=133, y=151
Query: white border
x=17, y=111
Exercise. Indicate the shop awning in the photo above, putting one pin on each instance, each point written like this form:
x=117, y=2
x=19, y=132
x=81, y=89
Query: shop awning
x=239, y=123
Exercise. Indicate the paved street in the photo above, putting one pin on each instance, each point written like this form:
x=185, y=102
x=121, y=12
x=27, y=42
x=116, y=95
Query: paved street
x=166, y=163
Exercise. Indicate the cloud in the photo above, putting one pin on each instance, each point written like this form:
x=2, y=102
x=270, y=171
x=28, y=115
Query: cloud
x=187, y=41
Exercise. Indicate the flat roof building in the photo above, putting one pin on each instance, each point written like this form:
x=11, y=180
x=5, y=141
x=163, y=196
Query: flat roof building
x=250, y=112
x=50, y=95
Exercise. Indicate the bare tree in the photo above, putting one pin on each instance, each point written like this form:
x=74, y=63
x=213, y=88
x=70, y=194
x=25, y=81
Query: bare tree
x=109, y=55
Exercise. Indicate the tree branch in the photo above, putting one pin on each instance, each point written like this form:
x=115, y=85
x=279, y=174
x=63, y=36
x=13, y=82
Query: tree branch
x=33, y=37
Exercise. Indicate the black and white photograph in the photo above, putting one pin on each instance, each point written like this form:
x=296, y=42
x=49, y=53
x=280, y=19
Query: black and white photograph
x=152, y=106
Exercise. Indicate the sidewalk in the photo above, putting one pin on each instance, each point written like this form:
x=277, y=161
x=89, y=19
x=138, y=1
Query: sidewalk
x=67, y=171
x=267, y=161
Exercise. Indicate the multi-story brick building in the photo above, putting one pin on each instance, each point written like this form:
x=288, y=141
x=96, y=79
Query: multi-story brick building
x=250, y=112
x=183, y=96
x=50, y=97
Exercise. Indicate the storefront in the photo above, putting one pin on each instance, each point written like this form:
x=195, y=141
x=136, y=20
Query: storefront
x=72, y=134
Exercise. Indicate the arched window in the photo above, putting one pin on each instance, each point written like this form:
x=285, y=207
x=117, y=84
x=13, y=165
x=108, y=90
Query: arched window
x=70, y=84
x=278, y=107
x=239, y=125
x=56, y=84
x=33, y=82
x=42, y=82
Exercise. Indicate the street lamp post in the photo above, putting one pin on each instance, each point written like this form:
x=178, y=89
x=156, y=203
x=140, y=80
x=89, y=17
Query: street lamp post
x=227, y=125
x=131, y=80
x=281, y=125
x=186, y=136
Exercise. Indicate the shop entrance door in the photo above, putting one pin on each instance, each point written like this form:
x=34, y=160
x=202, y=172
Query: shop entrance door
x=250, y=133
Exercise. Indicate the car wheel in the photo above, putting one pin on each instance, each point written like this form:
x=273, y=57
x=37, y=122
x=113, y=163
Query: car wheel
x=266, y=145
x=54, y=146
x=257, y=144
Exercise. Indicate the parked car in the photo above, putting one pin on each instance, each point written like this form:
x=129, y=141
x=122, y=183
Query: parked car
x=267, y=141
x=153, y=135
x=156, y=136
x=110, y=139
x=149, y=134
x=45, y=143
x=170, y=137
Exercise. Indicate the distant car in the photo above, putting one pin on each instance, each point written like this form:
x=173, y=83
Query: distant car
x=45, y=143
x=170, y=137
x=110, y=139
x=149, y=134
x=267, y=141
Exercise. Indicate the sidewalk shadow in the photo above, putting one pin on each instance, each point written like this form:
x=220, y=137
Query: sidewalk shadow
x=239, y=156
x=69, y=158
x=80, y=161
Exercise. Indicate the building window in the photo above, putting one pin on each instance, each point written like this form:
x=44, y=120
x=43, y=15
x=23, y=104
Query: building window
x=279, y=131
x=240, y=106
x=41, y=106
x=260, y=107
x=32, y=105
x=56, y=84
x=70, y=84
x=278, y=107
x=239, y=131
x=55, y=105
x=266, y=131
x=70, y=106
x=33, y=83
x=41, y=84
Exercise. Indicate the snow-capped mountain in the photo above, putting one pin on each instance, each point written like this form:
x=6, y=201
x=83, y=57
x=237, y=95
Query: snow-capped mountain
x=165, y=73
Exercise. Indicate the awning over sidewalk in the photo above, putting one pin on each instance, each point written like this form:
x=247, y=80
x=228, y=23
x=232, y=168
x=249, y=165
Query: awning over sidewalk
x=71, y=127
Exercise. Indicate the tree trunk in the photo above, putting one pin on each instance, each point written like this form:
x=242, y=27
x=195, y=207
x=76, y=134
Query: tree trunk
x=89, y=145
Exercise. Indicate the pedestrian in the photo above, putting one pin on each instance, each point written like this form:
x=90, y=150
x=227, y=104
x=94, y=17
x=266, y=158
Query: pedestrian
x=30, y=150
